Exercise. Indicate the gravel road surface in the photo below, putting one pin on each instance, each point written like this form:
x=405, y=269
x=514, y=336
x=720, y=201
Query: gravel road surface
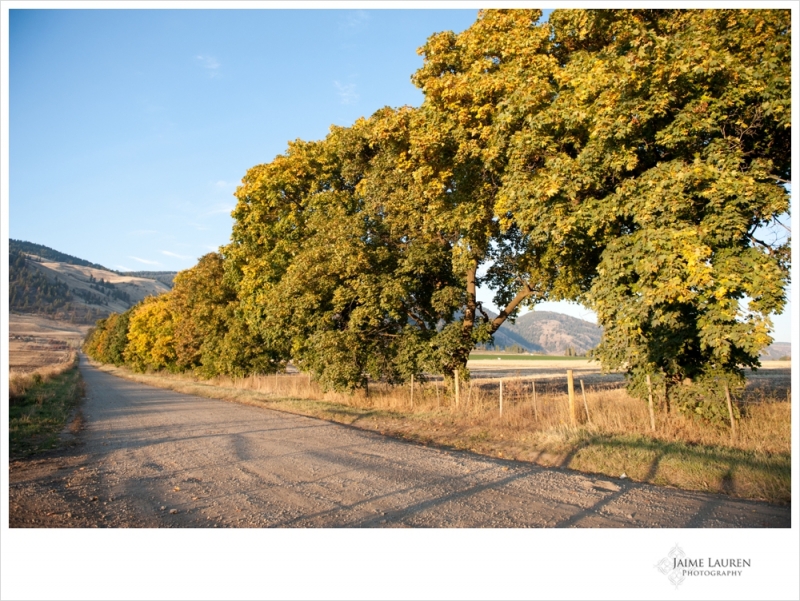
x=149, y=457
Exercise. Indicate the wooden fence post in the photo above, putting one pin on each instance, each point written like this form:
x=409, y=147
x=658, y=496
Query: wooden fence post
x=730, y=411
x=585, y=404
x=650, y=404
x=571, y=392
x=535, y=410
x=456, y=383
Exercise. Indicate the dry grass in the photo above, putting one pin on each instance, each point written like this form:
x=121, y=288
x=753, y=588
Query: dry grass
x=20, y=382
x=36, y=342
x=41, y=404
x=764, y=427
x=683, y=452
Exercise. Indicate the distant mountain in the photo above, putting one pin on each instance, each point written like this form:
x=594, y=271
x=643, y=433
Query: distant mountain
x=73, y=289
x=165, y=277
x=548, y=333
x=553, y=333
x=45, y=252
x=777, y=350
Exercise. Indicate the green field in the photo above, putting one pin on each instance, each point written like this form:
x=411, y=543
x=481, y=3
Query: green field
x=509, y=357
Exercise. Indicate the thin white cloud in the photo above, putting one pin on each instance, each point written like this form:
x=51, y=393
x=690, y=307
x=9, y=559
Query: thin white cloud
x=347, y=92
x=145, y=261
x=223, y=208
x=223, y=184
x=209, y=63
x=353, y=21
x=176, y=255
x=123, y=268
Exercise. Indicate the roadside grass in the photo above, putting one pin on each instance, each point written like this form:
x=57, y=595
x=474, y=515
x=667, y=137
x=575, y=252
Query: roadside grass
x=683, y=452
x=40, y=403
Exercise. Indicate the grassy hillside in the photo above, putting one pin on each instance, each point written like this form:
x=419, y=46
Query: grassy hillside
x=74, y=290
x=45, y=252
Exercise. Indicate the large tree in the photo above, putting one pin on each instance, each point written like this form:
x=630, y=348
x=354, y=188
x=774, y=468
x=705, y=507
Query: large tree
x=625, y=159
x=333, y=260
x=459, y=154
x=665, y=149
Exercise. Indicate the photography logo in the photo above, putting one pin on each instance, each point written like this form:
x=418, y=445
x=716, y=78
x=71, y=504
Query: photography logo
x=667, y=566
x=677, y=566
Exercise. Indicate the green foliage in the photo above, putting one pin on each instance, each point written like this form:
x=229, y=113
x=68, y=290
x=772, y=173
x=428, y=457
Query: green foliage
x=335, y=265
x=211, y=336
x=705, y=397
x=626, y=159
x=668, y=144
x=637, y=176
x=196, y=326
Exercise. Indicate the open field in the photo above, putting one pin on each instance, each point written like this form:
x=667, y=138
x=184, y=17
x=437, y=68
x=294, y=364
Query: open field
x=35, y=342
x=615, y=439
x=521, y=358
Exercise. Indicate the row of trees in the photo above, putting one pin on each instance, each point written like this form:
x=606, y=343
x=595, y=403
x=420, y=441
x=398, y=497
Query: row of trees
x=629, y=160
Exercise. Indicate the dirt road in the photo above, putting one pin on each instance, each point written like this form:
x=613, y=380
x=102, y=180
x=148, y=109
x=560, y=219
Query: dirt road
x=155, y=458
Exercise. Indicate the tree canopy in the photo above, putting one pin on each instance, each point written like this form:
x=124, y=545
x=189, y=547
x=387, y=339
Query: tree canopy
x=625, y=159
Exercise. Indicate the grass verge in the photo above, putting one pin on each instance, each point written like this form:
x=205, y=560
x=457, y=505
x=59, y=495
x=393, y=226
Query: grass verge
x=683, y=453
x=39, y=406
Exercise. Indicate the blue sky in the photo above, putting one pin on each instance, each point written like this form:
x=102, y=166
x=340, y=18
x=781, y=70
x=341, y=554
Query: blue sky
x=130, y=129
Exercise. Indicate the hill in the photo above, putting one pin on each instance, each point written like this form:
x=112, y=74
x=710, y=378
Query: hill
x=74, y=290
x=45, y=252
x=549, y=333
x=777, y=350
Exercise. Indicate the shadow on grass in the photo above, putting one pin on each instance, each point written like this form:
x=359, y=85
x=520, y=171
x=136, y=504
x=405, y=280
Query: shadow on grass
x=709, y=468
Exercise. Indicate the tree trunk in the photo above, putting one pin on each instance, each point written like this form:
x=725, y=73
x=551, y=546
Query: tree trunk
x=472, y=304
x=461, y=354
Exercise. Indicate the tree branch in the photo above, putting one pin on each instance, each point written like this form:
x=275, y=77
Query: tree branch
x=524, y=293
x=417, y=320
x=763, y=244
x=479, y=306
x=784, y=226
